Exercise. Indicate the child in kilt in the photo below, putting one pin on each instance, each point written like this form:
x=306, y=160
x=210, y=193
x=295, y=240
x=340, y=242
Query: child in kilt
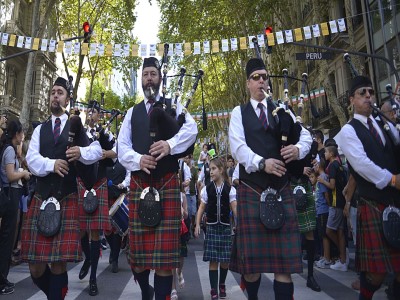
x=220, y=198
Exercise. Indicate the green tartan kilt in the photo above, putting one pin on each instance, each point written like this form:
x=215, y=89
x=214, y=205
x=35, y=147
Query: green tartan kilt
x=307, y=218
x=256, y=249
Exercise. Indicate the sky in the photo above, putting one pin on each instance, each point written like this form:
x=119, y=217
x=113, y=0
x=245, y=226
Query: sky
x=146, y=29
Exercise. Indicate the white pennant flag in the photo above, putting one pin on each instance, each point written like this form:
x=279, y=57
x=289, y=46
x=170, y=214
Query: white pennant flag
x=20, y=42
x=68, y=47
x=289, y=36
x=153, y=49
x=342, y=25
x=178, y=49
x=225, y=45
x=260, y=40
x=171, y=49
x=315, y=29
x=196, y=48
x=206, y=46
x=52, y=45
x=279, y=37
x=126, y=48
x=93, y=49
x=333, y=26
x=4, y=39
x=77, y=48
x=28, y=42
x=234, y=45
x=43, y=47
x=251, y=44
x=117, y=50
x=101, y=49
x=143, y=50
x=307, y=32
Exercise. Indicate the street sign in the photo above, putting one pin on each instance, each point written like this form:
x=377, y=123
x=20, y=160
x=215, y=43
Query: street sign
x=314, y=55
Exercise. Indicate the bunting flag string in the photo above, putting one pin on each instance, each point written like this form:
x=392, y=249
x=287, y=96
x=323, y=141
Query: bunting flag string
x=179, y=49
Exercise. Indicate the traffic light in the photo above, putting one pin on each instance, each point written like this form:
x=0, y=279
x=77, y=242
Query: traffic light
x=87, y=32
x=268, y=31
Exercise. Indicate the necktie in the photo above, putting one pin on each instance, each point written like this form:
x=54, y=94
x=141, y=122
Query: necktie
x=56, y=131
x=151, y=101
x=374, y=132
x=262, y=117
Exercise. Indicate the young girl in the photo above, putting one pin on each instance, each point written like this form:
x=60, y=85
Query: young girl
x=217, y=198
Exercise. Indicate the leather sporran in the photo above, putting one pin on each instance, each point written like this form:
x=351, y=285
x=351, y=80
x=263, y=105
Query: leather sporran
x=49, y=219
x=150, y=207
x=300, y=196
x=391, y=226
x=272, y=212
x=90, y=201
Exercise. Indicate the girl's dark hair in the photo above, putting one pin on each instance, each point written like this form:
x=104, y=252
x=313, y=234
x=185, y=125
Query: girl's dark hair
x=219, y=162
x=13, y=127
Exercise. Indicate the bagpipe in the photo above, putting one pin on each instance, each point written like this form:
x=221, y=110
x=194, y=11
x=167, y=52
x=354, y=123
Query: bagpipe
x=290, y=122
x=376, y=111
x=164, y=121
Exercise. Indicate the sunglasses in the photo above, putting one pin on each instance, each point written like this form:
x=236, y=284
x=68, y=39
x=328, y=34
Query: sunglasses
x=363, y=91
x=256, y=77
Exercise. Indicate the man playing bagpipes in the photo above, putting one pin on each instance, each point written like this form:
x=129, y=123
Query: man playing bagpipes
x=50, y=233
x=154, y=201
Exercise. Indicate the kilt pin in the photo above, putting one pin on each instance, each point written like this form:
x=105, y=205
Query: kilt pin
x=100, y=218
x=64, y=246
x=155, y=247
x=373, y=253
x=256, y=249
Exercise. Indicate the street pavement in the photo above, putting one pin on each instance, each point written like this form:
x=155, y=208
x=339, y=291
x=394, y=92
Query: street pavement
x=334, y=284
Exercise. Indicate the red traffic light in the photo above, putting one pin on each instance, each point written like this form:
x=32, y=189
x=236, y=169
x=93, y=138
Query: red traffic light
x=86, y=27
x=268, y=29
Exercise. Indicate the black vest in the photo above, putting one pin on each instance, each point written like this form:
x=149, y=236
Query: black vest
x=265, y=143
x=52, y=184
x=141, y=142
x=108, y=162
x=382, y=156
x=116, y=174
x=207, y=178
x=218, y=210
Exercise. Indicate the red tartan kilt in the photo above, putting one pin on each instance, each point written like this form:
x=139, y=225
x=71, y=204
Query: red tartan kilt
x=99, y=220
x=155, y=247
x=64, y=246
x=256, y=249
x=373, y=254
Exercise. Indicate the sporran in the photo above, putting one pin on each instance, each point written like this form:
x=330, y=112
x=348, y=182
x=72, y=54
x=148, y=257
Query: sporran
x=49, y=219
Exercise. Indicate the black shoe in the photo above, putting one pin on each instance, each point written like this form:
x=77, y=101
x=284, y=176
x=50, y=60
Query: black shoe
x=93, y=290
x=103, y=244
x=6, y=290
x=312, y=284
x=114, y=267
x=9, y=284
x=85, y=269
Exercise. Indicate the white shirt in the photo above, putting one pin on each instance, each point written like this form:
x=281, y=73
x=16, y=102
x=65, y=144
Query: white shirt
x=353, y=149
x=204, y=196
x=242, y=153
x=42, y=166
x=202, y=174
x=235, y=173
x=130, y=159
x=187, y=173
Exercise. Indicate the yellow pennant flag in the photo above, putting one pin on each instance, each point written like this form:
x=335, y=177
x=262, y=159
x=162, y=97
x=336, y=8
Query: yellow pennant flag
x=160, y=49
x=243, y=43
x=298, y=34
x=187, y=48
x=215, y=46
x=109, y=49
x=135, y=50
x=60, y=46
x=11, y=43
x=35, y=45
x=271, y=39
x=324, y=27
x=85, y=48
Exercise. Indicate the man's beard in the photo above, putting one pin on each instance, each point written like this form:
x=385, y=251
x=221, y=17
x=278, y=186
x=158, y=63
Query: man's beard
x=56, y=110
x=155, y=88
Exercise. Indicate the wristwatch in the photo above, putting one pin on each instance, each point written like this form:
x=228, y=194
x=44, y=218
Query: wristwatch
x=261, y=165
